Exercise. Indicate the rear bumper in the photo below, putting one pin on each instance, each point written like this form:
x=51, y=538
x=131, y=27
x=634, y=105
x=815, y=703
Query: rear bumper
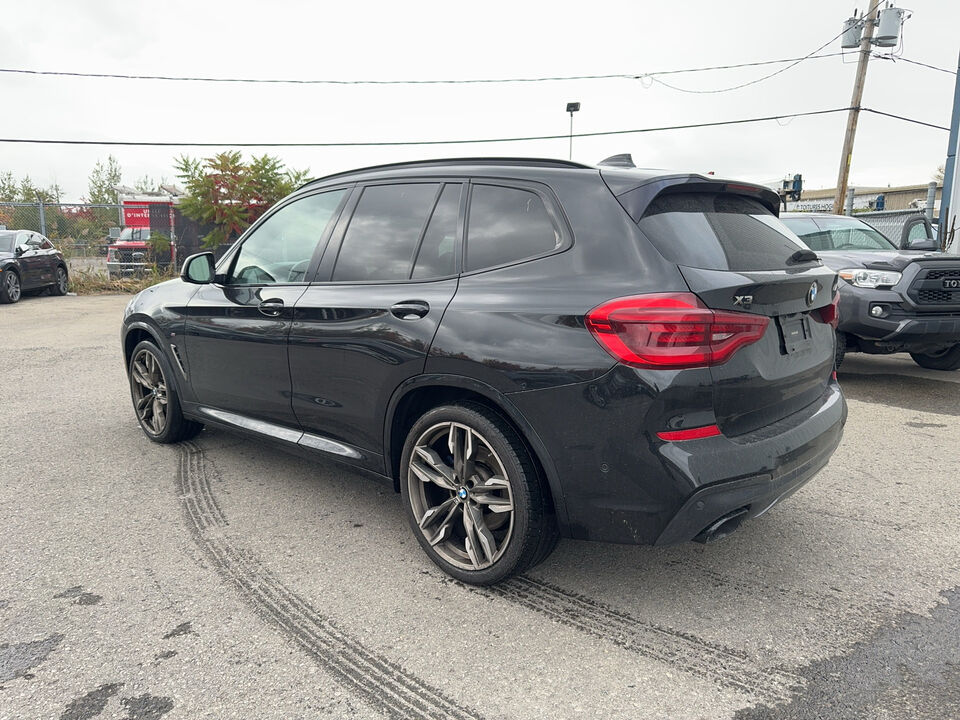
x=621, y=484
x=782, y=460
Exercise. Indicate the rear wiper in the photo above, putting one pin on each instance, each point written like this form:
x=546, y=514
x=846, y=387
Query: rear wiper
x=802, y=256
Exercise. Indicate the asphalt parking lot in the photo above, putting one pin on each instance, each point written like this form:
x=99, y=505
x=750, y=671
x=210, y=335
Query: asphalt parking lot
x=226, y=579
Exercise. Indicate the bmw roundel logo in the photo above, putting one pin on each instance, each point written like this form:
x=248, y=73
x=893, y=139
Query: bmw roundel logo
x=462, y=493
x=812, y=293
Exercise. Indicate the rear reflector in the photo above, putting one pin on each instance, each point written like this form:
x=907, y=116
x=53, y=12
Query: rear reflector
x=671, y=331
x=691, y=434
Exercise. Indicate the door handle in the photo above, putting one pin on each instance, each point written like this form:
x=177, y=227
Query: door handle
x=410, y=309
x=271, y=308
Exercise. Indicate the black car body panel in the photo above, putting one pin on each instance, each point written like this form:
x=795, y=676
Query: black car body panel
x=340, y=368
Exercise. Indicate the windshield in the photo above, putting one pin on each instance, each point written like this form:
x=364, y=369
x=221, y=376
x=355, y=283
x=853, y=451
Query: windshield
x=837, y=233
x=134, y=234
x=6, y=241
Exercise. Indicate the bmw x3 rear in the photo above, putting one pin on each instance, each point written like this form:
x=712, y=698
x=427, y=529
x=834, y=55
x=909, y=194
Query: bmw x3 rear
x=525, y=349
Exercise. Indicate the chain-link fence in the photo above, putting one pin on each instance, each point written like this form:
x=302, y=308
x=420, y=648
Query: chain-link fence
x=85, y=232
x=893, y=222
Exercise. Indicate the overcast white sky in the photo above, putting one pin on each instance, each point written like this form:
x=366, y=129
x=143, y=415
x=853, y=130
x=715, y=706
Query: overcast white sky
x=420, y=40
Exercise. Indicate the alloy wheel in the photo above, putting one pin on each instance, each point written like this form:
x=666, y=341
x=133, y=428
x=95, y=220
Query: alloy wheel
x=13, y=286
x=149, y=391
x=460, y=495
x=62, y=281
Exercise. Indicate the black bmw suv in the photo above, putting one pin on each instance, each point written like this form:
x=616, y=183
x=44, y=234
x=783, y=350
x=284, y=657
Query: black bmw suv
x=526, y=349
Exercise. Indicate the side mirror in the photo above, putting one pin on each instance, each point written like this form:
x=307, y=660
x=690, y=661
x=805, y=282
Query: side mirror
x=927, y=245
x=21, y=249
x=198, y=269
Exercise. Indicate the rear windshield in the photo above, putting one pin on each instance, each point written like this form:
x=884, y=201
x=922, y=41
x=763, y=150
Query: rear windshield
x=718, y=231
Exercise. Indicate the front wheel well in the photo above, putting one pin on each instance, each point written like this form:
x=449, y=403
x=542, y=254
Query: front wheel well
x=415, y=403
x=130, y=342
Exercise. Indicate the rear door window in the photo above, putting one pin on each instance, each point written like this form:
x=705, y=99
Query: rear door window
x=436, y=256
x=507, y=225
x=384, y=232
x=718, y=231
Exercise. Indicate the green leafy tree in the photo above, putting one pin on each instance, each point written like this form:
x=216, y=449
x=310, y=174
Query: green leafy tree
x=24, y=190
x=103, y=180
x=147, y=184
x=230, y=194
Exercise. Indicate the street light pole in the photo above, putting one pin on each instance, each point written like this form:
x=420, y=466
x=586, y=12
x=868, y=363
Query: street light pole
x=572, y=107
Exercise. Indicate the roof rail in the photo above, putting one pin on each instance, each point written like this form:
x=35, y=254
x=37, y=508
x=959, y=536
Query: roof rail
x=447, y=162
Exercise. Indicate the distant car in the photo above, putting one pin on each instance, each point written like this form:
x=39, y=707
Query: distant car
x=893, y=300
x=29, y=262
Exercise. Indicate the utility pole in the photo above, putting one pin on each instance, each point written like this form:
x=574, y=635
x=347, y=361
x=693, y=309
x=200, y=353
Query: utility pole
x=950, y=196
x=865, y=49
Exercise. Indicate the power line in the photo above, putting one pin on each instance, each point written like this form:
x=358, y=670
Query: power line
x=915, y=62
x=793, y=64
x=905, y=119
x=741, y=121
x=478, y=81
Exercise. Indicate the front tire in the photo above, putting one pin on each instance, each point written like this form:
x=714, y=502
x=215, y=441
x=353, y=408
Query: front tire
x=473, y=496
x=948, y=359
x=10, y=290
x=155, y=399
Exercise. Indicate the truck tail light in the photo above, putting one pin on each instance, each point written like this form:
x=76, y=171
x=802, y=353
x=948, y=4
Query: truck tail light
x=671, y=331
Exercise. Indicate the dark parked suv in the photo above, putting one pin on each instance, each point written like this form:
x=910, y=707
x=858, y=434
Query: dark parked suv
x=524, y=348
x=892, y=300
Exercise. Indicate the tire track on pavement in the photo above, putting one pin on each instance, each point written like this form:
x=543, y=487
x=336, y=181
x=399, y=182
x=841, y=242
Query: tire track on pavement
x=384, y=684
x=683, y=651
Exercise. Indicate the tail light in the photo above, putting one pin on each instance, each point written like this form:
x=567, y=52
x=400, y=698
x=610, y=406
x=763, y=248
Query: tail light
x=671, y=331
x=830, y=314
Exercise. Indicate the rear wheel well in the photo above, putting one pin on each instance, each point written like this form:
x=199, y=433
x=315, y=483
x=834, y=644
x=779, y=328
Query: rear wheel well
x=415, y=403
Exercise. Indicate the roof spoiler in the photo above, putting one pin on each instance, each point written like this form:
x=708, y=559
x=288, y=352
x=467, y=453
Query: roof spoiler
x=624, y=160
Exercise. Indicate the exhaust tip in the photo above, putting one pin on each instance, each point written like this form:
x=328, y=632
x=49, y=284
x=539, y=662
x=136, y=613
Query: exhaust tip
x=722, y=526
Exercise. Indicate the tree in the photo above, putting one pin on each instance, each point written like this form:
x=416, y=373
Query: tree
x=102, y=182
x=938, y=175
x=23, y=190
x=230, y=194
x=146, y=184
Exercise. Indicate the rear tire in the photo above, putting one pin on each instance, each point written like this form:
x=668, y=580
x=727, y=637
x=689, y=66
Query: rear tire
x=10, y=290
x=155, y=398
x=948, y=359
x=473, y=496
x=62, y=282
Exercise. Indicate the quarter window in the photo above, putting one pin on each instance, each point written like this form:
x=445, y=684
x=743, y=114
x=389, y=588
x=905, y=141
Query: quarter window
x=507, y=225
x=280, y=249
x=384, y=232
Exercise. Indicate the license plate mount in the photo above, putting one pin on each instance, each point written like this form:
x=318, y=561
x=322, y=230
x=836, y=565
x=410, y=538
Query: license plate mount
x=795, y=332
